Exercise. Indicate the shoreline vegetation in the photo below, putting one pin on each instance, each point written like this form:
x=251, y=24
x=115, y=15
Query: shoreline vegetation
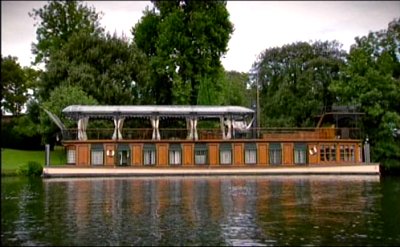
x=13, y=160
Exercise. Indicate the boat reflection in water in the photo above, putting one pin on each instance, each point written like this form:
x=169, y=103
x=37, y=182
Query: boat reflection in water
x=249, y=210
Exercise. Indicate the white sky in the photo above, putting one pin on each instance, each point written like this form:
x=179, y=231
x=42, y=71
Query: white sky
x=259, y=25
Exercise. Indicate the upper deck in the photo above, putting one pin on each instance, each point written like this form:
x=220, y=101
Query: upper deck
x=232, y=123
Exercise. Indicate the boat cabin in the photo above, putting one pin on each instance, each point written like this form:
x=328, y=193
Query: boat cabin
x=202, y=136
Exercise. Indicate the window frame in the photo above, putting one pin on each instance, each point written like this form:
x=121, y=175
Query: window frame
x=272, y=149
x=225, y=147
x=328, y=152
x=151, y=149
x=175, y=149
x=94, y=148
x=203, y=148
x=297, y=149
x=71, y=148
x=250, y=147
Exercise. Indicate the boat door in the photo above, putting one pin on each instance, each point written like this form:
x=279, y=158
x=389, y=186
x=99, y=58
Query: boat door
x=123, y=155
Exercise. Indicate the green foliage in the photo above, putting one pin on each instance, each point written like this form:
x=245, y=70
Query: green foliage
x=60, y=98
x=13, y=159
x=13, y=137
x=57, y=21
x=371, y=79
x=13, y=86
x=236, y=89
x=294, y=81
x=107, y=68
x=211, y=91
x=32, y=169
x=184, y=41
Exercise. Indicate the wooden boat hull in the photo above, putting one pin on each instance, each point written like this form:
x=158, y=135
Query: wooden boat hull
x=73, y=171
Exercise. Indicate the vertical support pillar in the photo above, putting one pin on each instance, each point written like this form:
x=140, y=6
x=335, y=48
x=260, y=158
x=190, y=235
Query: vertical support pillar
x=367, y=158
x=47, y=154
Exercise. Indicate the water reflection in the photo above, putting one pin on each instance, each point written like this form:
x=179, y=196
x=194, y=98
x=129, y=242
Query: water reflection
x=238, y=211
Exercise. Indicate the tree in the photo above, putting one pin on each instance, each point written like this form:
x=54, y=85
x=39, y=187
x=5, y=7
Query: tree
x=184, y=41
x=236, y=91
x=57, y=21
x=13, y=85
x=294, y=81
x=107, y=68
x=371, y=80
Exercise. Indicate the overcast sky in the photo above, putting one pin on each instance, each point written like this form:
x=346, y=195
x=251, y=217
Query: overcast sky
x=259, y=25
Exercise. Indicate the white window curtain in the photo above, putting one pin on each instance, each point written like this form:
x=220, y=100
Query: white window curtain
x=189, y=127
x=118, y=124
x=250, y=156
x=228, y=122
x=97, y=157
x=196, y=136
x=226, y=156
x=149, y=157
x=175, y=157
x=71, y=156
x=222, y=127
x=200, y=157
x=82, y=125
x=155, y=121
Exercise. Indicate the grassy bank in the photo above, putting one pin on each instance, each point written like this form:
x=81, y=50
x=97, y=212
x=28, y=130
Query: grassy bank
x=12, y=160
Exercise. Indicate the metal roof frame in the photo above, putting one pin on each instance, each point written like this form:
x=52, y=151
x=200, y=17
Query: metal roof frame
x=162, y=111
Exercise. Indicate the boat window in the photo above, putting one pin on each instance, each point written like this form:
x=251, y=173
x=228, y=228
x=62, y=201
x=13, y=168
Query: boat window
x=71, y=155
x=149, y=154
x=200, y=154
x=300, y=153
x=275, y=153
x=250, y=153
x=175, y=154
x=225, y=153
x=327, y=152
x=347, y=153
x=97, y=154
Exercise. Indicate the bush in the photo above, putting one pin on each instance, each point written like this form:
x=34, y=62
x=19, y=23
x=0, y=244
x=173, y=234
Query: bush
x=11, y=136
x=33, y=168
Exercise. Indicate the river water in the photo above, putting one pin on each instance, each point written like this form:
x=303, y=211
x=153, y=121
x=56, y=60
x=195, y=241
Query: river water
x=201, y=211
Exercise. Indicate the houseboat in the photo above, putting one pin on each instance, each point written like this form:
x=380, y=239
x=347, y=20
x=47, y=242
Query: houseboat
x=218, y=140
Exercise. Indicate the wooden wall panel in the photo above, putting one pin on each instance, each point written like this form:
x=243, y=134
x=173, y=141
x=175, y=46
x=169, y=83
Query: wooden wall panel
x=262, y=153
x=162, y=152
x=288, y=153
x=83, y=152
x=110, y=159
x=188, y=155
x=136, y=154
x=312, y=157
x=238, y=154
x=358, y=153
x=213, y=154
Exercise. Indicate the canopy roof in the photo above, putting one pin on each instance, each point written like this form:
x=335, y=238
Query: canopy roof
x=200, y=111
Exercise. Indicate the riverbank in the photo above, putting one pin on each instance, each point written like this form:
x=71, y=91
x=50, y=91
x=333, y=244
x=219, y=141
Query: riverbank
x=12, y=159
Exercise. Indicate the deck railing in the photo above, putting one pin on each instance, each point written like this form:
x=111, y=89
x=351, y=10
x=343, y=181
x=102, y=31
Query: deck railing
x=216, y=134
